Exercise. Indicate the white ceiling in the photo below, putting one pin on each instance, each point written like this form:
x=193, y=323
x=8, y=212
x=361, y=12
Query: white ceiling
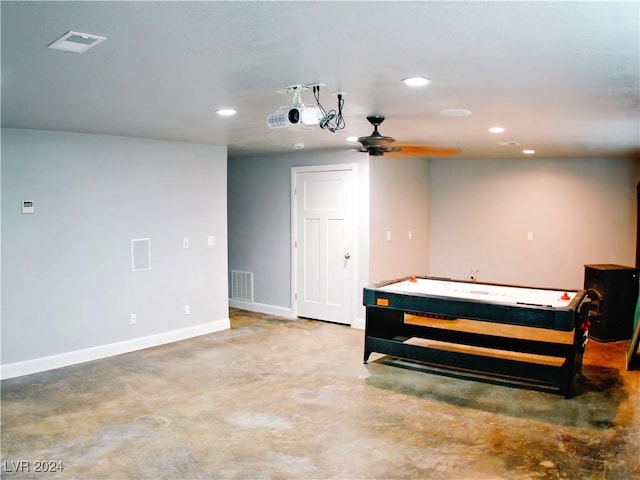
x=560, y=77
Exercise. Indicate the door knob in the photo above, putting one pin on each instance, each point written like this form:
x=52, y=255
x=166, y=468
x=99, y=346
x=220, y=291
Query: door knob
x=347, y=256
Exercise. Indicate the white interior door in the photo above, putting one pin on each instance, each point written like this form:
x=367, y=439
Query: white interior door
x=323, y=243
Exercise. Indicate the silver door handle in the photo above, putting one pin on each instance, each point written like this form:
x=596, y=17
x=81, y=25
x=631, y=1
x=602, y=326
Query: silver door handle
x=347, y=256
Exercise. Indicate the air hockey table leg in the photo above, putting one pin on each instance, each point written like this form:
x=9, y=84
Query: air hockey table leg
x=367, y=354
x=574, y=361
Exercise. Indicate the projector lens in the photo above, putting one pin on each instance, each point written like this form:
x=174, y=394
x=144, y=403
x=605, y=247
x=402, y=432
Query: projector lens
x=294, y=115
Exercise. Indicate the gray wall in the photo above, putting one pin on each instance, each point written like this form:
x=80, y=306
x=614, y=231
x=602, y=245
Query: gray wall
x=259, y=198
x=579, y=212
x=67, y=282
x=394, y=195
x=464, y=215
x=399, y=191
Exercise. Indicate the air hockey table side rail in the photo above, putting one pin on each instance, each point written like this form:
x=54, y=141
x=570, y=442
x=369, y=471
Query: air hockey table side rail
x=387, y=332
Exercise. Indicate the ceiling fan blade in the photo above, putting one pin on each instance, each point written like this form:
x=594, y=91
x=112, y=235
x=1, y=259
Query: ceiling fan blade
x=416, y=150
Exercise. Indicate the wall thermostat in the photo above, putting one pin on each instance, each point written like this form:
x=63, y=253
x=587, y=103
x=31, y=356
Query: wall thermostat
x=27, y=206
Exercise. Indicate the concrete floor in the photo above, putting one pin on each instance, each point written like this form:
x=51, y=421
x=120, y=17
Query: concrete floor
x=275, y=398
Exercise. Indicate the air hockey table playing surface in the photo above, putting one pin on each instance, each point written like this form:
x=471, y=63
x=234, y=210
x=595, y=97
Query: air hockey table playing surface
x=527, y=306
x=484, y=292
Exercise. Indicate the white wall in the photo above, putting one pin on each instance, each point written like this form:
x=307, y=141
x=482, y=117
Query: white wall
x=399, y=193
x=67, y=284
x=578, y=211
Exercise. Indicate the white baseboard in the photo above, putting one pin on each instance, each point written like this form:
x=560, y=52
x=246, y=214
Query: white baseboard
x=262, y=308
x=358, y=323
x=51, y=362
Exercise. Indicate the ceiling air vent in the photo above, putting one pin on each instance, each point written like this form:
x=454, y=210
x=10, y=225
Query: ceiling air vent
x=76, y=42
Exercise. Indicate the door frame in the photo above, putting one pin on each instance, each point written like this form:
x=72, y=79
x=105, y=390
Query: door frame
x=353, y=167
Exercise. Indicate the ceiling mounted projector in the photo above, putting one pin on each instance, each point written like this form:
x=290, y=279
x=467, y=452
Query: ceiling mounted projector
x=289, y=116
x=296, y=114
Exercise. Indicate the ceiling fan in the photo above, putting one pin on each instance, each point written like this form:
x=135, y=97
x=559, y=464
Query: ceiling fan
x=377, y=144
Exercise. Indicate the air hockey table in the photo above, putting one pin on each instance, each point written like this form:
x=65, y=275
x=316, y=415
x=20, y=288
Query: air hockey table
x=533, y=337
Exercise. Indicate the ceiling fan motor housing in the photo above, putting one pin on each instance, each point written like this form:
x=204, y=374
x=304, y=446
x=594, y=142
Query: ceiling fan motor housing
x=376, y=144
x=375, y=152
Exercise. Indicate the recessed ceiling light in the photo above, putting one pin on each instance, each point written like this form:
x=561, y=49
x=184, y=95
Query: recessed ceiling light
x=528, y=152
x=496, y=129
x=352, y=139
x=226, y=112
x=76, y=42
x=455, y=112
x=416, y=81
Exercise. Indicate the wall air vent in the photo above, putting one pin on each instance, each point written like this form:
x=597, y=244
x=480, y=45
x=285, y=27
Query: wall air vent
x=76, y=42
x=242, y=285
